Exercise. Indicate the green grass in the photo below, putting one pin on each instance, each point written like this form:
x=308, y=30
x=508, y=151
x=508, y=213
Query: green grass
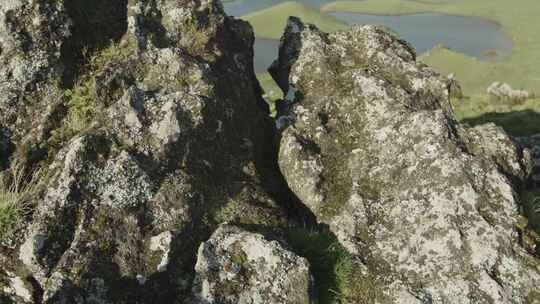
x=338, y=276
x=83, y=105
x=15, y=190
x=519, y=20
x=270, y=22
x=271, y=90
x=520, y=69
x=516, y=118
x=331, y=264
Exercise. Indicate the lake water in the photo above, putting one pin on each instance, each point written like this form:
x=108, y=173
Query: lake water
x=472, y=36
x=475, y=37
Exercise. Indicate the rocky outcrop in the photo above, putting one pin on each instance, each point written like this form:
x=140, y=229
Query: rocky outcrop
x=237, y=266
x=533, y=144
x=143, y=144
x=31, y=37
x=429, y=206
x=158, y=140
x=504, y=91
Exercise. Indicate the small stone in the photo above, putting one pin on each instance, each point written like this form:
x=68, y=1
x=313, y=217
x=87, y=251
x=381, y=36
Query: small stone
x=245, y=267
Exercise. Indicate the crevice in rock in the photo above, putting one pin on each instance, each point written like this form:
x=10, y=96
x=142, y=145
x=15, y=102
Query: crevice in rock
x=95, y=24
x=37, y=292
x=6, y=148
x=276, y=186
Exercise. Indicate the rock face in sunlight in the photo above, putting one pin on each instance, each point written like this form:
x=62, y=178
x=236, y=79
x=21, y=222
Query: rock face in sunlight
x=428, y=205
x=157, y=140
x=139, y=164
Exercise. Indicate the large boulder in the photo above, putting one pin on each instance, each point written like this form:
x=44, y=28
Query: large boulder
x=160, y=138
x=237, y=266
x=429, y=206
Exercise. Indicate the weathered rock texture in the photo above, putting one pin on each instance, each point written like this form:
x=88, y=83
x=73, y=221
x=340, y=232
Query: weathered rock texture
x=504, y=91
x=147, y=144
x=141, y=127
x=533, y=144
x=236, y=266
x=31, y=36
x=375, y=152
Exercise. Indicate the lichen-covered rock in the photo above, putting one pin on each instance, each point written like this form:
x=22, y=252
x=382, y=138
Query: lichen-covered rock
x=491, y=142
x=31, y=37
x=14, y=289
x=160, y=138
x=533, y=144
x=237, y=266
x=375, y=152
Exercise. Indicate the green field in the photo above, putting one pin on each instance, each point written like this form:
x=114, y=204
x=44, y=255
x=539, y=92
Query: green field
x=521, y=69
x=519, y=20
x=269, y=23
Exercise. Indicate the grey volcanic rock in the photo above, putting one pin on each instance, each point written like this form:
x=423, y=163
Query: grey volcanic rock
x=533, y=144
x=159, y=139
x=31, y=37
x=428, y=205
x=237, y=266
x=142, y=129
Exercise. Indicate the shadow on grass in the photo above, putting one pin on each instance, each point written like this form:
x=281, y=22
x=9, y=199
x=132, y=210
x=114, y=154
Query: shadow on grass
x=515, y=123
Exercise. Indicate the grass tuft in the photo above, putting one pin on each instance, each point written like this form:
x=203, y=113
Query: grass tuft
x=331, y=264
x=16, y=189
x=83, y=105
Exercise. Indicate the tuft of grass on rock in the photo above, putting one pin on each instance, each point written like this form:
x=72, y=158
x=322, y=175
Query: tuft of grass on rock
x=83, y=105
x=331, y=264
x=16, y=189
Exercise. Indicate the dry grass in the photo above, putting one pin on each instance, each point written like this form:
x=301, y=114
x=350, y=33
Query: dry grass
x=16, y=189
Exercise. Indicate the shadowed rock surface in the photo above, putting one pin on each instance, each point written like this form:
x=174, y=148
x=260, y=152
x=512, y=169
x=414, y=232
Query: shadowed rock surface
x=428, y=205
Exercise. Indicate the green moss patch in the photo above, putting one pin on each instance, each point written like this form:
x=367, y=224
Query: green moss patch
x=330, y=263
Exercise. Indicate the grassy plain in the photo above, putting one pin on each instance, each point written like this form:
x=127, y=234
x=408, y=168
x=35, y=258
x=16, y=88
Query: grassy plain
x=269, y=23
x=521, y=69
x=518, y=19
